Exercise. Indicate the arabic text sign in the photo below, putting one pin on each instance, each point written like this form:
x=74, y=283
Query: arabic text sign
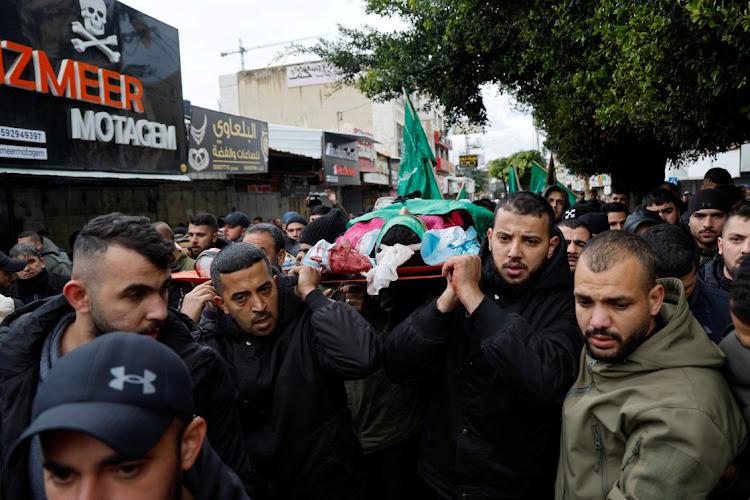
x=227, y=144
x=319, y=73
x=468, y=160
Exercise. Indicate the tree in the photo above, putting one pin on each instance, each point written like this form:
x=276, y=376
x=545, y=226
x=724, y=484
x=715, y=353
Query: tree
x=481, y=178
x=500, y=168
x=618, y=86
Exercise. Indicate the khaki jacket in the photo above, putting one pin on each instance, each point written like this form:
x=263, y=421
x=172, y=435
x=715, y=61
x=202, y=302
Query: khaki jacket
x=663, y=424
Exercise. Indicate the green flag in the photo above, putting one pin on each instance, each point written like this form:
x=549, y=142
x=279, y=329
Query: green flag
x=538, y=178
x=415, y=170
x=514, y=184
x=462, y=192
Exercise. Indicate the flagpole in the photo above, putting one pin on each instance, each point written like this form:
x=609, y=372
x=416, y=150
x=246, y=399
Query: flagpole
x=414, y=116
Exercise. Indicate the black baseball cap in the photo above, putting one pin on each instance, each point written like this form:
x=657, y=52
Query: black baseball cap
x=235, y=219
x=11, y=265
x=122, y=388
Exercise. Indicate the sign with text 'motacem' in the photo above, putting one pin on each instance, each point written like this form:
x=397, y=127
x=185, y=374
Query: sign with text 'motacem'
x=89, y=85
x=226, y=143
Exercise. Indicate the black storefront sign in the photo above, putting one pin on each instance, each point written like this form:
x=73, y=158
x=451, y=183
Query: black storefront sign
x=89, y=85
x=227, y=144
x=340, y=159
x=295, y=187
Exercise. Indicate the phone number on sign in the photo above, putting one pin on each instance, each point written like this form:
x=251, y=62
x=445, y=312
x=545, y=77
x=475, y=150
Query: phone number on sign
x=22, y=134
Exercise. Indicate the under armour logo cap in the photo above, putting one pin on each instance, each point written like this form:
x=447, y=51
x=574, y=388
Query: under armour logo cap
x=122, y=388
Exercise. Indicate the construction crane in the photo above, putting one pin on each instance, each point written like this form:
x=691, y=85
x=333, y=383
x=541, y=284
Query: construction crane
x=241, y=51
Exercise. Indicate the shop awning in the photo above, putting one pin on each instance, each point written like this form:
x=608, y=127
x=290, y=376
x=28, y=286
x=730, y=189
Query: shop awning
x=94, y=174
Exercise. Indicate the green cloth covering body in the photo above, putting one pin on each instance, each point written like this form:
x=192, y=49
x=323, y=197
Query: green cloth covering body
x=483, y=218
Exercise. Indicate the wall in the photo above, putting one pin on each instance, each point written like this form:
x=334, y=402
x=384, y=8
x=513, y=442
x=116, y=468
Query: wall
x=264, y=95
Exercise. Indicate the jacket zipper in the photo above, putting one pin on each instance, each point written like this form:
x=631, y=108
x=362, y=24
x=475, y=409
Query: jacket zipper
x=634, y=455
x=583, y=390
x=601, y=461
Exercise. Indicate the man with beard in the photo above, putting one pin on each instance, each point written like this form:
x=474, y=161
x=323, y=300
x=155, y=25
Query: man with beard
x=496, y=353
x=707, y=213
x=576, y=235
x=203, y=233
x=120, y=279
x=651, y=415
x=116, y=419
x=734, y=244
x=290, y=350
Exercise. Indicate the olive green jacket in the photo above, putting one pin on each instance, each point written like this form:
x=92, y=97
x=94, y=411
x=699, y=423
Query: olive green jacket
x=663, y=424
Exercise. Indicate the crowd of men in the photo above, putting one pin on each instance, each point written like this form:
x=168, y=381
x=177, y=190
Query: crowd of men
x=587, y=352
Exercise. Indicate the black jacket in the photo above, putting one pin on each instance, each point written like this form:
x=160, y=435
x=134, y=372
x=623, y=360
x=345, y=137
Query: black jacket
x=210, y=479
x=710, y=306
x=292, y=402
x=712, y=272
x=43, y=285
x=22, y=336
x=499, y=378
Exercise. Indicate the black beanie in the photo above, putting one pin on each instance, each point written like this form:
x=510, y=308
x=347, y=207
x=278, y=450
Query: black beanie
x=296, y=218
x=326, y=228
x=709, y=198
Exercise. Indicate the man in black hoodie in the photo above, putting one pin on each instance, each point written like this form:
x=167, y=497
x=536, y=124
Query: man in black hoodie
x=499, y=349
x=120, y=280
x=116, y=419
x=34, y=281
x=290, y=349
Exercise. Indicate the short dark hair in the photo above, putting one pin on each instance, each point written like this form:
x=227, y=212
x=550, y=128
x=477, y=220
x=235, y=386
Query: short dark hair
x=660, y=196
x=23, y=249
x=275, y=231
x=612, y=247
x=718, y=175
x=131, y=232
x=675, y=250
x=620, y=190
x=526, y=203
x=236, y=257
x=610, y=208
x=320, y=210
x=205, y=219
x=574, y=224
x=743, y=212
x=672, y=187
x=258, y=218
x=32, y=235
x=487, y=203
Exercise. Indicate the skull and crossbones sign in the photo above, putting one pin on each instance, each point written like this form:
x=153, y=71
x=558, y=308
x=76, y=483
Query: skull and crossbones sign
x=94, y=13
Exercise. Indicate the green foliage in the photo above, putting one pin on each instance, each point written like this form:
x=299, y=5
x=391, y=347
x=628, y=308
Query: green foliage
x=500, y=168
x=481, y=178
x=619, y=86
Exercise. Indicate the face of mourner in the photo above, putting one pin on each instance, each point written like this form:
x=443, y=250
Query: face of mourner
x=614, y=308
x=251, y=297
x=520, y=245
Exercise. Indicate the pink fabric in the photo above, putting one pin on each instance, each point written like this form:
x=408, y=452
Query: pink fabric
x=436, y=221
x=354, y=233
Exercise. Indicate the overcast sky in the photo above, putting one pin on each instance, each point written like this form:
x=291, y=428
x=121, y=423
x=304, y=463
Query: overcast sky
x=207, y=29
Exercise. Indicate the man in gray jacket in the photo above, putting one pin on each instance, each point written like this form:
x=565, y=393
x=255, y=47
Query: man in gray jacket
x=55, y=259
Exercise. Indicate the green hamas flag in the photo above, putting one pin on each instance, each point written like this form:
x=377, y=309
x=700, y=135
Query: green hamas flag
x=462, y=192
x=514, y=185
x=538, y=178
x=415, y=171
